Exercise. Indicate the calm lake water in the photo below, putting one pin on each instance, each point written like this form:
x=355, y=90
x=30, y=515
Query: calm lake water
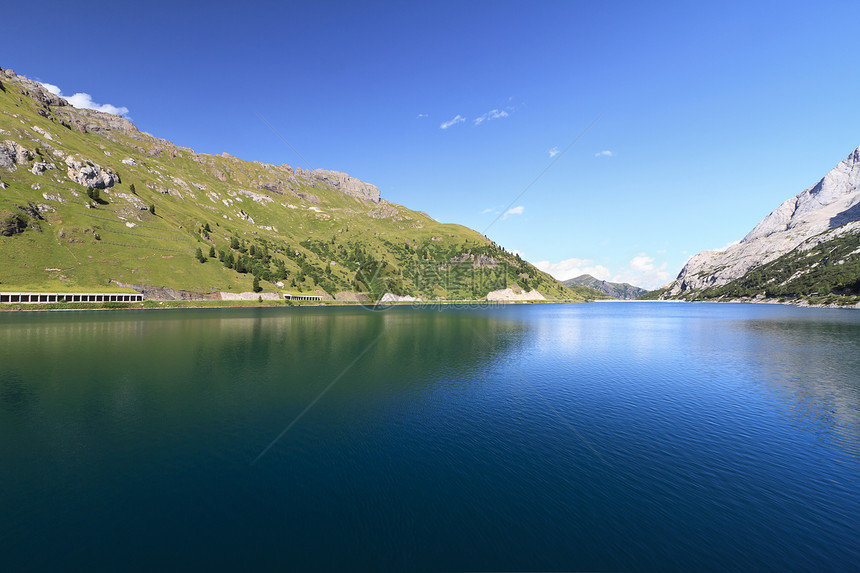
x=672, y=437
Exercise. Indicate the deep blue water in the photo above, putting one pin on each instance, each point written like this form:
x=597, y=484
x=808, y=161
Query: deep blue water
x=605, y=436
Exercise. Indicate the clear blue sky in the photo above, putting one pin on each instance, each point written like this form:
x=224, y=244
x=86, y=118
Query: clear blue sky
x=708, y=115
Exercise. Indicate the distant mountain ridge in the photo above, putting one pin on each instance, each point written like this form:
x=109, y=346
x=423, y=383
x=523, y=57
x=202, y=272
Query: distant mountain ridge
x=803, y=248
x=622, y=291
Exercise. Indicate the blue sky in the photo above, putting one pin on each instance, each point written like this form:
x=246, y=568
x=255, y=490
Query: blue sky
x=641, y=133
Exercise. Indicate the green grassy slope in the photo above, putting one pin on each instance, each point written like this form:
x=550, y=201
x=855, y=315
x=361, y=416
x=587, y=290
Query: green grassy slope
x=652, y=294
x=272, y=222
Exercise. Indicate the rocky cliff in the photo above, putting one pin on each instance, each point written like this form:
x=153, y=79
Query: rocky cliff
x=829, y=204
x=346, y=184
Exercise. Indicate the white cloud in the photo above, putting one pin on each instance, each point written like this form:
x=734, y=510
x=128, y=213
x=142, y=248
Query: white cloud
x=421, y=115
x=85, y=101
x=570, y=268
x=518, y=210
x=453, y=121
x=604, y=153
x=492, y=114
x=487, y=210
x=51, y=88
x=642, y=263
x=553, y=152
x=726, y=247
x=643, y=271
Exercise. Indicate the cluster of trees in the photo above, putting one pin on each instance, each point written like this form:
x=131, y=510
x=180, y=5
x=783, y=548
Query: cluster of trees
x=321, y=275
x=95, y=195
x=244, y=259
x=256, y=258
x=403, y=267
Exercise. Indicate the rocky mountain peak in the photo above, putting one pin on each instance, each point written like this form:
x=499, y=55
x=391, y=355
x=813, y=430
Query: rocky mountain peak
x=825, y=205
x=830, y=203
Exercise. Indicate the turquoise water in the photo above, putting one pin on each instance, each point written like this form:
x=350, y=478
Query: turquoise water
x=605, y=436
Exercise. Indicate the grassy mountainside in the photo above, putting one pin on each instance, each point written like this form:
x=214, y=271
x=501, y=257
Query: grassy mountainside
x=653, y=294
x=822, y=270
x=623, y=291
x=86, y=199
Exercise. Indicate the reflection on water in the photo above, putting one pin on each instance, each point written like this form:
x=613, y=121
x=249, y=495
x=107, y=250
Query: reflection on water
x=600, y=436
x=813, y=365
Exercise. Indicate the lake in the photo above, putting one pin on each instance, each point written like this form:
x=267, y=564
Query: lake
x=603, y=436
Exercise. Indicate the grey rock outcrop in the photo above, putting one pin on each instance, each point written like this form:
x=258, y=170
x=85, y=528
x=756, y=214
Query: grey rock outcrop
x=89, y=174
x=346, y=184
x=13, y=154
x=830, y=203
x=40, y=167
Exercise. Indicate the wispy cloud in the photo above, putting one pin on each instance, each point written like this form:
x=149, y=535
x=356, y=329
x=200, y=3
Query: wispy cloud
x=574, y=267
x=553, y=152
x=85, y=101
x=492, y=114
x=604, y=153
x=518, y=210
x=453, y=121
x=421, y=116
x=487, y=210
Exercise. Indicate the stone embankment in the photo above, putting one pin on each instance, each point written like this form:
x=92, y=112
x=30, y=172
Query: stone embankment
x=250, y=296
x=509, y=295
x=165, y=293
x=388, y=297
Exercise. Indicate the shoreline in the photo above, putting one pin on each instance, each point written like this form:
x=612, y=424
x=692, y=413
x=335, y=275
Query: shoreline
x=799, y=303
x=204, y=304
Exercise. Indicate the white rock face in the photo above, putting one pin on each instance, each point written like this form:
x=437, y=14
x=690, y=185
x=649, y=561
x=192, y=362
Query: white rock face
x=256, y=197
x=830, y=203
x=509, y=294
x=43, y=133
x=388, y=297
